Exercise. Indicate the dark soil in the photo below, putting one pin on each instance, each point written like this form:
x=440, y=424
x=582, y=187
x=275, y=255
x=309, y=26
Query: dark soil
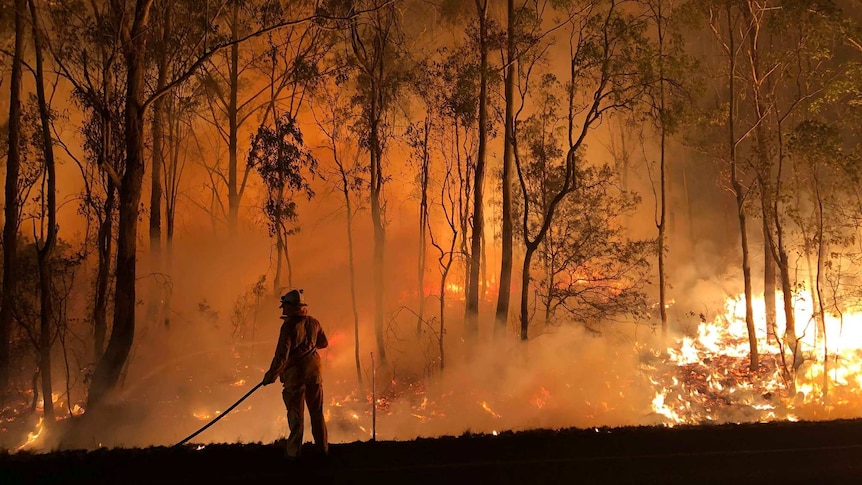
x=782, y=453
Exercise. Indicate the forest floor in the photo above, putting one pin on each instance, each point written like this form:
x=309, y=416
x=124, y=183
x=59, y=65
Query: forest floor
x=823, y=452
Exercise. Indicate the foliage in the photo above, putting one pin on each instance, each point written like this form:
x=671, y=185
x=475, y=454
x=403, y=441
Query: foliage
x=281, y=159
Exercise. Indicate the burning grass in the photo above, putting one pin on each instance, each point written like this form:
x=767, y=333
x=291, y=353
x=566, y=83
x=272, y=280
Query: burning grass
x=561, y=380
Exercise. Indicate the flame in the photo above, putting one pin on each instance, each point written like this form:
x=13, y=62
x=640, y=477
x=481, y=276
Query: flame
x=489, y=410
x=709, y=380
x=33, y=435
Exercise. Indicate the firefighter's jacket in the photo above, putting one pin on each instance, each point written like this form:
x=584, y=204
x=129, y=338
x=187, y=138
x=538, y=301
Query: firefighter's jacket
x=296, y=361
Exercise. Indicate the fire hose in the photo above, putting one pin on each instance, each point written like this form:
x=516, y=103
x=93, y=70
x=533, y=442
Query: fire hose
x=249, y=393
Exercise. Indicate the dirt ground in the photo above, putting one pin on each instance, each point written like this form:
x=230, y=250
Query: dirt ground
x=784, y=452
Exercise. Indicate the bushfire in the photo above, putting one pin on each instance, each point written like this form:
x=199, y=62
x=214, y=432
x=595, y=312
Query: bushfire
x=704, y=377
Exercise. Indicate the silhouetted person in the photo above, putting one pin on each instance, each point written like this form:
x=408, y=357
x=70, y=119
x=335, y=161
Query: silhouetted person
x=297, y=365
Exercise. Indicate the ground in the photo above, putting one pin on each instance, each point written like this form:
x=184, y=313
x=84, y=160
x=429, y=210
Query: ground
x=782, y=453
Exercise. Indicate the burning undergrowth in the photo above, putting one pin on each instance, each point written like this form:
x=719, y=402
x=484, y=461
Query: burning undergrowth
x=567, y=378
x=708, y=377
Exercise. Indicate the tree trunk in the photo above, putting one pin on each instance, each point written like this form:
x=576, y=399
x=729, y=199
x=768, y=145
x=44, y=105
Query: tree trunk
x=740, y=196
x=10, y=226
x=471, y=318
x=45, y=253
x=662, y=224
x=768, y=276
x=423, y=225
x=109, y=368
x=504, y=291
x=105, y=236
x=345, y=187
x=765, y=169
x=158, y=161
x=525, y=291
x=376, y=156
x=103, y=274
x=790, y=338
x=233, y=127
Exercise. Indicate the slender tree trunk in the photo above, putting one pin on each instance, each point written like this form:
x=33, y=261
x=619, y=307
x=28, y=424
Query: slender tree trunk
x=423, y=225
x=764, y=167
x=345, y=188
x=525, y=291
x=46, y=251
x=769, y=287
x=740, y=195
x=818, y=283
x=109, y=368
x=158, y=160
x=103, y=274
x=662, y=224
x=502, y=314
x=443, y=279
x=377, y=214
x=233, y=126
x=471, y=320
x=106, y=224
x=10, y=226
x=790, y=337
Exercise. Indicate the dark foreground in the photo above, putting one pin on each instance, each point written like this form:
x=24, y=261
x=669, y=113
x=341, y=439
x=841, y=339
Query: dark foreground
x=780, y=453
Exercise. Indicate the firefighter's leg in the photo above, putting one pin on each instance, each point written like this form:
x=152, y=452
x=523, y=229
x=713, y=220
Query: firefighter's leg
x=294, y=402
x=314, y=399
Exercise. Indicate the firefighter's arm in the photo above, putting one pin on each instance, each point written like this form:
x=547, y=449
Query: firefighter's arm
x=322, y=343
x=279, y=359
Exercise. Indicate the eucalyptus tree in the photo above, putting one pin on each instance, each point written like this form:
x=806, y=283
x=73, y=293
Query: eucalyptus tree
x=84, y=51
x=450, y=91
x=45, y=247
x=278, y=154
x=604, y=53
x=727, y=23
x=373, y=43
x=665, y=102
x=810, y=31
x=333, y=114
x=130, y=24
x=293, y=61
x=233, y=98
x=525, y=24
x=10, y=225
x=453, y=94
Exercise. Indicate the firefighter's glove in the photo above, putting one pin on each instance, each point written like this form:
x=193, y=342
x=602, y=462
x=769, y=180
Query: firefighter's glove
x=268, y=379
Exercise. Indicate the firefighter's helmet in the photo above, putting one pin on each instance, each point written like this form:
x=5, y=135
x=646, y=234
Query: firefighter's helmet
x=292, y=297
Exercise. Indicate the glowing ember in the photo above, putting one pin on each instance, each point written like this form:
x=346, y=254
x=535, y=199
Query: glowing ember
x=202, y=415
x=488, y=409
x=543, y=398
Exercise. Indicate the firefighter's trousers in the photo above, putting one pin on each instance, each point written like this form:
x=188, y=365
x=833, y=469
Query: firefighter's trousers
x=309, y=393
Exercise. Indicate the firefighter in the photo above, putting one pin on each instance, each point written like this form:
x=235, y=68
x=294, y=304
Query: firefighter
x=297, y=365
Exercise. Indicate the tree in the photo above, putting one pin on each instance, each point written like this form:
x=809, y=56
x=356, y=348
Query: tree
x=665, y=104
x=338, y=115
x=83, y=51
x=45, y=252
x=280, y=157
x=10, y=225
x=471, y=317
x=373, y=40
x=601, y=80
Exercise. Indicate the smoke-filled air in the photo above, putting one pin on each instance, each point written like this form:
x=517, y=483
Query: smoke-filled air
x=506, y=215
